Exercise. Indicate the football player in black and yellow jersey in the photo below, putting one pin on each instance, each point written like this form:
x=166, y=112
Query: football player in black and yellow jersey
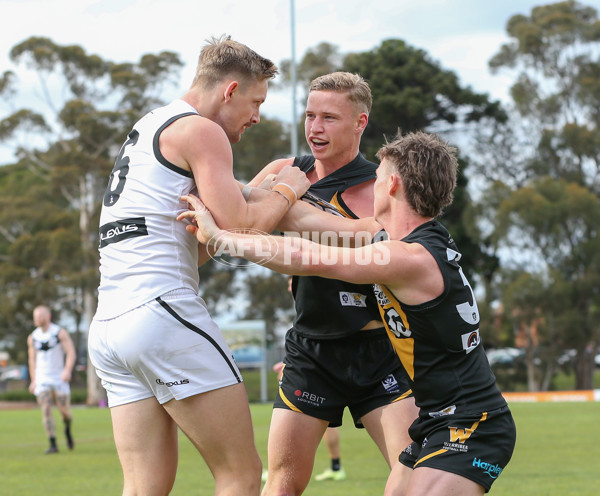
x=464, y=435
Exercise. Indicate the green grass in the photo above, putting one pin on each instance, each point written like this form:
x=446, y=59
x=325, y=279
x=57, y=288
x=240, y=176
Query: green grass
x=556, y=454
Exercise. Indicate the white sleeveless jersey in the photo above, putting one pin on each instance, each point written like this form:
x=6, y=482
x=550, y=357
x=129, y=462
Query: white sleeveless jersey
x=49, y=355
x=144, y=251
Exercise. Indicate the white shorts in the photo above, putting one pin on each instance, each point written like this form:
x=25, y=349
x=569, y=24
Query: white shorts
x=169, y=348
x=60, y=388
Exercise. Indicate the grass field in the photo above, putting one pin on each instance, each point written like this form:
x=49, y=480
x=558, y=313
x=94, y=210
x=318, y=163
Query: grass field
x=557, y=454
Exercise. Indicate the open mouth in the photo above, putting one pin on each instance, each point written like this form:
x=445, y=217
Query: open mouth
x=318, y=143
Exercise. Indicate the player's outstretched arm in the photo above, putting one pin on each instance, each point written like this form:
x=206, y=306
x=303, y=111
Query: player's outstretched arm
x=376, y=262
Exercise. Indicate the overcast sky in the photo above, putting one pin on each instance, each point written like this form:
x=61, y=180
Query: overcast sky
x=462, y=35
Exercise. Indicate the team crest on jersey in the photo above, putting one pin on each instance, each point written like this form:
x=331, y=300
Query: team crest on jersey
x=348, y=299
x=470, y=340
x=382, y=299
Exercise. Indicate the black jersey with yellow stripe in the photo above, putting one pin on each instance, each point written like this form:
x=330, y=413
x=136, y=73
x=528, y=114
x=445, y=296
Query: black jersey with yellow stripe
x=438, y=341
x=328, y=308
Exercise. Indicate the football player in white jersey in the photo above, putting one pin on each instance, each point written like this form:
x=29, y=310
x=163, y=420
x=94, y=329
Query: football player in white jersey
x=160, y=356
x=51, y=359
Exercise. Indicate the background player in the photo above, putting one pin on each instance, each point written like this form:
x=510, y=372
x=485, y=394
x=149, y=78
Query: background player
x=51, y=360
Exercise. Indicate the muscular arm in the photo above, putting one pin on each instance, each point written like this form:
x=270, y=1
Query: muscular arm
x=272, y=168
x=201, y=146
x=67, y=346
x=303, y=217
x=407, y=268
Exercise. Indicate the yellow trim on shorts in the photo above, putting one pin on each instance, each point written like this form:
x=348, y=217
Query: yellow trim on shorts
x=403, y=396
x=287, y=402
x=430, y=455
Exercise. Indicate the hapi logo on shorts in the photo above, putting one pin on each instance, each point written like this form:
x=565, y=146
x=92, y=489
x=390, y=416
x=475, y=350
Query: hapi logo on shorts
x=348, y=299
x=470, y=340
x=265, y=248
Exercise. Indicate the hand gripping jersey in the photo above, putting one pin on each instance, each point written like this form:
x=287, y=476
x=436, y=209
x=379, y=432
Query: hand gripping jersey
x=327, y=308
x=144, y=251
x=438, y=342
x=49, y=355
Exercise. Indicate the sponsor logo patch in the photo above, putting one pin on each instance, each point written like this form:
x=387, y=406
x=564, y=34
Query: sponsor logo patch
x=382, y=299
x=470, y=340
x=348, y=299
x=310, y=398
x=493, y=470
x=113, y=232
x=179, y=382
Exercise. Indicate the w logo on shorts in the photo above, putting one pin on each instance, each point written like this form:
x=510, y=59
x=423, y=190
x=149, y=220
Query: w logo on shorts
x=390, y=383
x=460, y=435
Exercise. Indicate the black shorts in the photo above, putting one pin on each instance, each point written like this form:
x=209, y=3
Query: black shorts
x=477, y=447
x=321, y=377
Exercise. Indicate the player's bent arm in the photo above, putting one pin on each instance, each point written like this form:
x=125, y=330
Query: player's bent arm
x=206, y=151
x=396, y=264
x=303, y=217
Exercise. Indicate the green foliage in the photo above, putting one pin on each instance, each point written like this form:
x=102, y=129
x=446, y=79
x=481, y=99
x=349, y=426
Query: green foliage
x=542, y=197
x=412, y=92
x=50, y=199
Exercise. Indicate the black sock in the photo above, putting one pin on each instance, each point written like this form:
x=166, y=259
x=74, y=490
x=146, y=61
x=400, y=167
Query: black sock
x=68, y=433
x=53, y=442
x=335, y=464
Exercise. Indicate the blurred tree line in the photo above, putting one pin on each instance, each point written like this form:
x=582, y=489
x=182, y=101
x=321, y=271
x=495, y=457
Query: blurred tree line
x=525, y=214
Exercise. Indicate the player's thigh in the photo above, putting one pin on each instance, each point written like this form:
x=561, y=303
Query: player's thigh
x=388, y=426
x=293, y=441
x=219, y=425
x=426, y=481
x=45, y=399
x=146, y=439
x=397, y=483
x=63, y=403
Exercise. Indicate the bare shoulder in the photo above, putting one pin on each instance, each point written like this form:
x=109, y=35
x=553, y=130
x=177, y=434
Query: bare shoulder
x=413, y=274
x=183, y=140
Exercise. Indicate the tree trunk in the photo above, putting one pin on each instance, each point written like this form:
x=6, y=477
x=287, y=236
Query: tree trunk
x=87, y=199
x=584, y=369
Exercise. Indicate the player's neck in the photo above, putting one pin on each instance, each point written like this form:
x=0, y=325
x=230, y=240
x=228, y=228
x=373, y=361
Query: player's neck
x=325, y=167
x=399, y=222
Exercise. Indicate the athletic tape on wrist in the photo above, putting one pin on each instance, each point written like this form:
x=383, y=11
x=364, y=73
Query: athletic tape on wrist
x=287, y=191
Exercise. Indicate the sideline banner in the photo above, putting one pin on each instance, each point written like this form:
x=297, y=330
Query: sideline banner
x=533, y=397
